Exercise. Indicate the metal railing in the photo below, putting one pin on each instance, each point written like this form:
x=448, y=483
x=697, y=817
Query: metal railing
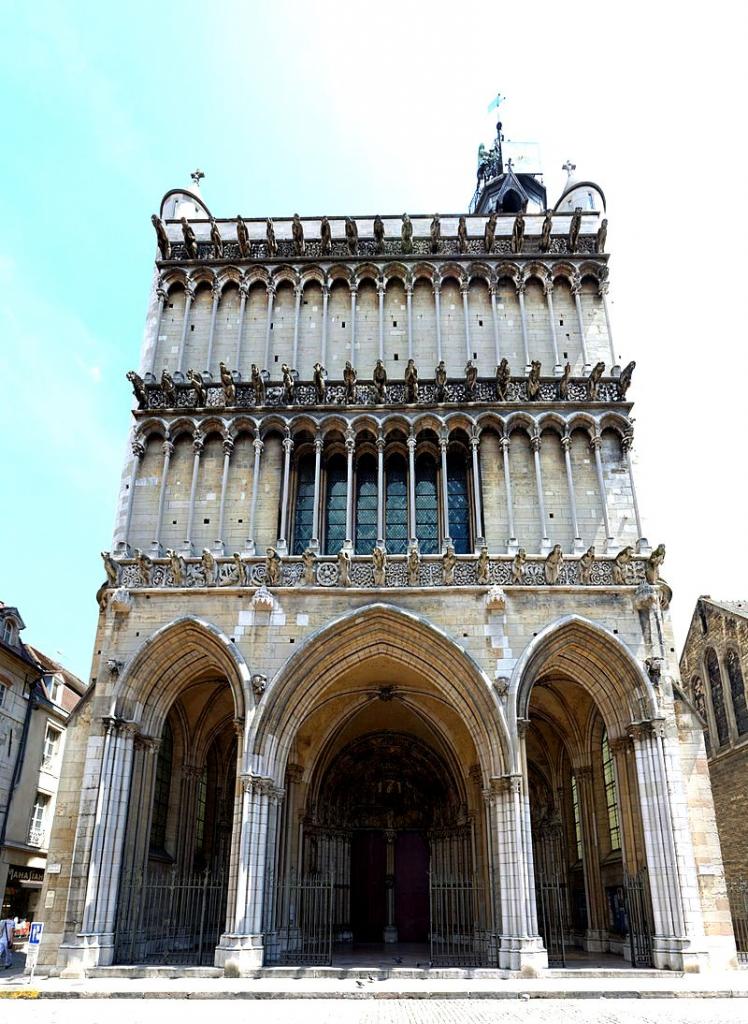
x=737, y=893
x=306, y=928
x=36, y=836
x=459, y=935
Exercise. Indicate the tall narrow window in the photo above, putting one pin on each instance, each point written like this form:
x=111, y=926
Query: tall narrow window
x=396, y=508
x=161, y=790
x=577, y=816
x=737, y=690
x=304, y=511
x=427, y=509
x=366, y=505
x=51, y=747
x=38, y=820
x=611, y=802
x=202, y=799
x=718, y=697
x=459, y=503
x=335, y=505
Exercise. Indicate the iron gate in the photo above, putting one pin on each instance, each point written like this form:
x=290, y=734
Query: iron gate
x=638, y=916
x=737, y=893
x=459, y=933
x=552, y=918
x=305, y=907
x=168, y=918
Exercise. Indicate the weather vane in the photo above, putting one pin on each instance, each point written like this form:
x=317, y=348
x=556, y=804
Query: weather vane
x=197, y=176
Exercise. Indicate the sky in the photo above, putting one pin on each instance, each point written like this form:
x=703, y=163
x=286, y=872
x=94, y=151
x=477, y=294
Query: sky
x=355, y=109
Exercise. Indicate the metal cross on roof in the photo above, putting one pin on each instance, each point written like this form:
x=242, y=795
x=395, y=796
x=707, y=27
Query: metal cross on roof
x=197, y=175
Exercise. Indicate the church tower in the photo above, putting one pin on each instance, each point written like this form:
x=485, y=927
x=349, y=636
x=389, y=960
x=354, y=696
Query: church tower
x=383, y=654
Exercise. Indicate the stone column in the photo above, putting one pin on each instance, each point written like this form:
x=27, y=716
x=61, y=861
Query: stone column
x=474, y=442
x=228, y=448
x=521, y=286
x=298, y=295
x=443, y=445
x=162, y=296
x=622, y=750
x=258, y=446
x=269, y=324
x=545, y=543
x=198, y=443
x=390, y=931
x=216, y=294
x=380, y=490
x=512, y=540
x=438, y=320
x=596, y=938
x=350, y=445
x=596, y=445
x=282, y=543
x=354, y=294
x=495, y=323
x=548, y=288
x=138, y=451
x=381, y=289
x=411, y=442
x=566, y=445
x=189, y=295
x=465, y=289
x=188, y=791
x=642, y=544
x=409, y=308
x=603, y=292
x=315, y=542
x=243, y=293
x=323, y=335
x=168, y=450
x=576, y=291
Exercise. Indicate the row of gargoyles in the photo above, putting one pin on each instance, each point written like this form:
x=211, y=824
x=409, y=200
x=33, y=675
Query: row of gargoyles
x=351, y=236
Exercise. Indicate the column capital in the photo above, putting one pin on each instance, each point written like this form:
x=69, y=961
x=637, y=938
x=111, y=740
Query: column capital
x=161, y=293
x=258, y=445
x=620, y=745
x=198, y=443
x=228, y=446
x=298, y=290
x=596, y=443
x=257, y=784
x=244, y=289
x=535, y=442
x=437, y=287
x=504, y=442
x=443, y=440
x=408, y=287
x=325, y=288
x=318, y=442
x=411, y=441
x=627, y=441
x=350, y=440
x=566, y=442
x=168, y=449
x=215, y=292
x=474, y=437
x=353, y=288
x=138, y=449
x=547, y=285
x=287, y=443
x=576, y=284
x=464, y=288
x=189, y=290
x=270, y=289
x=381, y=287
x=380, y=441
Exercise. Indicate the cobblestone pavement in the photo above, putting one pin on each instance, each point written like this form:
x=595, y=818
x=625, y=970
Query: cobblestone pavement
x=386, y=1011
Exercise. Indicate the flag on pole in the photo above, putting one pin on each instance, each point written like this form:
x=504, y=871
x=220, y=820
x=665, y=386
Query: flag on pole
x=495, y=102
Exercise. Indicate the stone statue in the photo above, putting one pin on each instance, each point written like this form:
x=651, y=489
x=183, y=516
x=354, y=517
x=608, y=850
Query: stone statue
x=620, y=565
x=319, y=377
x=602, y=235
x=308, y=559
x=414, y=565
x=190, y=242
x=586, y=562
x=111, y=568
x=242, y=237
x=238, y=577
x=574, y=229
x=436, y=233
x=380, y=381
x=325, y=235
x=208, y=563
x=257, y=383
x=138, y=389
x=489, y=232
x=344, y=567
x=652, y=566
x=169, y=389
x=411, y=382
x=288, y=383
x=518, y=233
x=198, y=386
x=259, y=683
x=553, y=564
x=471, y=379
x=351, y=236
x=178, y=567
x=164, y=245
x=593, y=381
x=563, y=383
x=503, y=377
x=378, y=235
x=297, y=233
x=144, y=566
x=624, y=381
x=273, y=567
x=483, y=569
x=448, y=566
x=518, y=566
x=406, y=234
x=462, y=235
x=533, y=380
x=379, y=561
x=272, y=245
x=349, y=379
x=102, y=596
x=440, y=378
x=216, y=241
x=227, y=382
x=545, y=235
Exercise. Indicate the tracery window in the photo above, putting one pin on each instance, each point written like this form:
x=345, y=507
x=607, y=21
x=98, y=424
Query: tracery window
x=161, y=790
x=366, y=505
x=396, y=506
x=697, y=692
x=611, y=802
x=336, y=498
x=577, y=816
x=459, y=503
x=427, y=506
x=304, y=511
x=718, y=697
x=737, y=690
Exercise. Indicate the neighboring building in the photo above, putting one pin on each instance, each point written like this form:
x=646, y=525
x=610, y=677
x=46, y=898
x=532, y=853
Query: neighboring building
x=36, y=698
x=385, y=661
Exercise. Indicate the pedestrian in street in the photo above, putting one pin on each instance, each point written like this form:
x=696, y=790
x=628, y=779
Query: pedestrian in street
x=7, y=928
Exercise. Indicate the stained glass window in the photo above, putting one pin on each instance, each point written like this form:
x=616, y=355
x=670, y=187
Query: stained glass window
x=304, y=513
x=577, y=816
x=609, y=778
x=718, y=697
x=737, y=689
x=161, y=790
x=366, y=505
x=697, y=692
x=427, y=507
x=335, y=505
x=396, y=507
x=459, y=503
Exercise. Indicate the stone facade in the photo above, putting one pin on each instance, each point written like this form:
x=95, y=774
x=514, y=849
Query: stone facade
x=405, y=639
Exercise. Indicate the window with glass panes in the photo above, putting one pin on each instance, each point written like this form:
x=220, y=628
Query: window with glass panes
x=737, y=690
x=718, y=696
x=51, y=744
x=335, y=505
x=459, y=503
x=427, y=507
x=304, y=510
x=202, y=799
x=396, y=507
x=366, y=505
x=38, y=814
x=609, y=778
x=577, y=816
x=161, y=789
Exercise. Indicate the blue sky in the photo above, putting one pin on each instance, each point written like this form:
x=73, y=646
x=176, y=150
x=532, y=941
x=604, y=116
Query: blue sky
x=327, y=108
